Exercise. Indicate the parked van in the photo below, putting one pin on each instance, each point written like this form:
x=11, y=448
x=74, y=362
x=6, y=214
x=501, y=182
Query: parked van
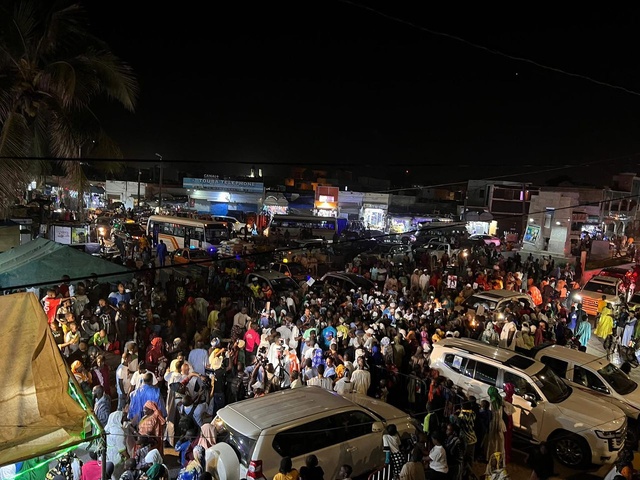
x=595, y=375
x=581, y=428
x=253, y=435
x=593, y=290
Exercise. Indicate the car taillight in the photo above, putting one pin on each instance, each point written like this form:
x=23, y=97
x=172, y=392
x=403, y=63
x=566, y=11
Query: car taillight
x=255, y=470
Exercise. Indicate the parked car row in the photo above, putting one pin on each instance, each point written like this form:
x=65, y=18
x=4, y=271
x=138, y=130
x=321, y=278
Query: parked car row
x=581, y=427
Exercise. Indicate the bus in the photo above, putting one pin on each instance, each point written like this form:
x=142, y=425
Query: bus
x=178, y=232
x=320, y=227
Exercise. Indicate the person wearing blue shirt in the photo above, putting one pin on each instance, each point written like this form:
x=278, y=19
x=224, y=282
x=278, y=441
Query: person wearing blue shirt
x=119, y=296
x=328, y=333
x=141, y=395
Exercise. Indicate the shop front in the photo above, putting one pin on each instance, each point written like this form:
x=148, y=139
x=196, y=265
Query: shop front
x=220, y=196
x=375, y=207
x=350, y=204
x=326, y=201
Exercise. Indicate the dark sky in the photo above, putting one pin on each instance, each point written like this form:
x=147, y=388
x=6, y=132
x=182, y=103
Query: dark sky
x=323, y=82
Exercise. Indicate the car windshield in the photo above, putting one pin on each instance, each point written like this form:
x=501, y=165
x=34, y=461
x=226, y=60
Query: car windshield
x=242, y=444
x=600, y=288
x=617, y=379
x=282, y=284
x=553, y=388
x=474, y=302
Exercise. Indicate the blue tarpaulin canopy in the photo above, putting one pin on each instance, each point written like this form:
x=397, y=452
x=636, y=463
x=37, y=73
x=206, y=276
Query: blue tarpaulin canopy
x=44, y=262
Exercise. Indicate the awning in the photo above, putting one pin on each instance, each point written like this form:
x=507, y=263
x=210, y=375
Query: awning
x=97, y=189
x=275, y=201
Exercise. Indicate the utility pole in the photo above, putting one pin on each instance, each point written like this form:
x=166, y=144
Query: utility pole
x=524, y=209
x=139, y=174
x=160, y=195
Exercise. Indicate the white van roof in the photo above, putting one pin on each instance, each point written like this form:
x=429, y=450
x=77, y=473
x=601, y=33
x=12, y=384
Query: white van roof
x=250, y=417
x=575, y=356
x=605, y=279
x=501, y=355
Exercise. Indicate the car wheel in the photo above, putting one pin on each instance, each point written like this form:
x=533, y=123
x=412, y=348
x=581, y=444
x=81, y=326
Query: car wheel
x=571, y=450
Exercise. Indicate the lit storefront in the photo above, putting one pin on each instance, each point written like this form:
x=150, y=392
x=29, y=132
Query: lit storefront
x=219, y=196
x=326, y=201
x=375, y=207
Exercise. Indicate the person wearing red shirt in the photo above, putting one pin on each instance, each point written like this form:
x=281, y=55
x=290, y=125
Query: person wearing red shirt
x=251, y=342
x=50, y=303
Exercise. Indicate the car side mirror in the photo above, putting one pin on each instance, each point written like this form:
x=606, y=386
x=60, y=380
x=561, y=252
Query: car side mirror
x=601, y=389
x=531, y=398
x=377, y=427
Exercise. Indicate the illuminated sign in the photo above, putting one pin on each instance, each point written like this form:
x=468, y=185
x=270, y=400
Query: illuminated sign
x=216, y=184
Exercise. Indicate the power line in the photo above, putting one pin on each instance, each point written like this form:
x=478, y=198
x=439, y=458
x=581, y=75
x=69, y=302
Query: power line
x=493, y=51
x=316, y=165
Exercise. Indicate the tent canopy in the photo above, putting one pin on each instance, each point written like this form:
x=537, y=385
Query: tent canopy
x=43, y=260
x=38, y=414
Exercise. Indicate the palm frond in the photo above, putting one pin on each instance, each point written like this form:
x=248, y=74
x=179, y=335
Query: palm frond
x=116, y=78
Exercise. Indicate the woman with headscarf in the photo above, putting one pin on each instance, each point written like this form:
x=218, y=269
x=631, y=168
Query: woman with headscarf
x=155, y=359
x=207, y=436
x=152, y=425
x=195, y=467
x=156, y=469
x=83, y=377
x=507, y=417
x=116, y=442
x=605, y=324
x=495, y=436
x=81, y=374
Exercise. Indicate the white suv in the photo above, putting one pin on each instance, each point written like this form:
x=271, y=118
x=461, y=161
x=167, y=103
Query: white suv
x=236, y=224
x=253, y=435
x=581, y=428
x=595, y=375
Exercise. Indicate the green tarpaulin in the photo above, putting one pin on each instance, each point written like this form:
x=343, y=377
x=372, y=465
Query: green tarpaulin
x=45, y=262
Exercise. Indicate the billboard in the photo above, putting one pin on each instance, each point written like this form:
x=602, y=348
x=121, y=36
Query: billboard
x=531, y=234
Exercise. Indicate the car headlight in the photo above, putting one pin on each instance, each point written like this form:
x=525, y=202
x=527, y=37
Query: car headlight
x=607, y=435
x=578, y=297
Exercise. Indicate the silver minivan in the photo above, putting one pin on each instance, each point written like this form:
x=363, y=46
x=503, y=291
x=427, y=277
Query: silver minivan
x=253, y=435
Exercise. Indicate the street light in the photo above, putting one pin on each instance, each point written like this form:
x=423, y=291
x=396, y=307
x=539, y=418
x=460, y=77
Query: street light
x=160, y=197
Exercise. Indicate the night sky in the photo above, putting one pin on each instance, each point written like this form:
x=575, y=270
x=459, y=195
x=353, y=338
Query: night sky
x=327, y=83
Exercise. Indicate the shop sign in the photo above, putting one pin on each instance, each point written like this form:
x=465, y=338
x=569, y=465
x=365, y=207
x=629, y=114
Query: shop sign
x=217, y=184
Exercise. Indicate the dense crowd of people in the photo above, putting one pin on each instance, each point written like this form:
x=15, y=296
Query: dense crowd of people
x=187, y=348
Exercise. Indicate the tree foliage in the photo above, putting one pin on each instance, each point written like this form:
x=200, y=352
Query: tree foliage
x=51, y=69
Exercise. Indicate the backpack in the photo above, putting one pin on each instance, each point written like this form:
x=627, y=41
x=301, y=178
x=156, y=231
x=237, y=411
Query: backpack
x=186, y=421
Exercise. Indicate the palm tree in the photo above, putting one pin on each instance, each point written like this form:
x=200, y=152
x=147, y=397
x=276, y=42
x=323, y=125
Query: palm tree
x=51, y=69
